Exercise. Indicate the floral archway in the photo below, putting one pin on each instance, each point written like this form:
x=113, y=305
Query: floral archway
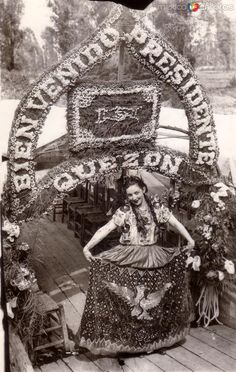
x=24, y=198
x=152, y=51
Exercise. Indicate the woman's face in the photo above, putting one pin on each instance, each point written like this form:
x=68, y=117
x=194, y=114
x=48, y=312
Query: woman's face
x=135, y=195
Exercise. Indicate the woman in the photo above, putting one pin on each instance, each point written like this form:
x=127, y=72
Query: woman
x=138, y=298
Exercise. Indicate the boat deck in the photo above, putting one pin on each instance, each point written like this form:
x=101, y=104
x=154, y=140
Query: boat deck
x=62, y=272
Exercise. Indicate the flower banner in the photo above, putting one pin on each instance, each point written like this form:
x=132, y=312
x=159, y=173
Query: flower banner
x=121, y=113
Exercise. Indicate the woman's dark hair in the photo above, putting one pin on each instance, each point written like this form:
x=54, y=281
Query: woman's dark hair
x=133, y=180
x=141, y=221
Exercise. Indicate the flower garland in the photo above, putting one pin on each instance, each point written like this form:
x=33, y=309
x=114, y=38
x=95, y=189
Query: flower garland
x=35, y=105
x=158, y=55
x=20, y=285
x=163, y=161
x=212, y=219
x=66, y=176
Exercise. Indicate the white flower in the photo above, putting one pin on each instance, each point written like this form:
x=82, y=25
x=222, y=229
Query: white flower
x=11, y=229
x=221, y=185
x=196, y=204
x=221, y=275
x=215, y=197
x=24, y=279
x=23, y=247
x=207, y=230
x=22, y=284
x=222, y=189
x=195, y=261
x=24, y=271
x=229, y=267
x=189, y=261
x=211, y=274
x=11, y=305
x=222, y=192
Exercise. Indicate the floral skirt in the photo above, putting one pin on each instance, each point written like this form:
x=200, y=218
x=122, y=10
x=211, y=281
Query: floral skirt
x=131, y=310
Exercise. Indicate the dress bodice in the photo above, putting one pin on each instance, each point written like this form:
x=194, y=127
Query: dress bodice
x=125, y=218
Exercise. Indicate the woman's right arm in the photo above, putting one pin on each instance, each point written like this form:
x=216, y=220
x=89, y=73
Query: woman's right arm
x=98, y=237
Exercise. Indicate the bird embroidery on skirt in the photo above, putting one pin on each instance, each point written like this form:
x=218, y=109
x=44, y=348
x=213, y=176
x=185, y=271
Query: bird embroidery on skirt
x=138, y=300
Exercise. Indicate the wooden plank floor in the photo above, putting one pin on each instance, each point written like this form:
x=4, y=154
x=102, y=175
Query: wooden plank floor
x=62, y=272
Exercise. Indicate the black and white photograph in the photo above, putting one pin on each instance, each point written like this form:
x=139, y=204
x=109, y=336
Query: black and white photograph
x=118, y=186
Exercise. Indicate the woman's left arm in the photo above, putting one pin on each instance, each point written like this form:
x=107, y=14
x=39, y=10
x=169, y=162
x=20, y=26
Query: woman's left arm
x=182, y=230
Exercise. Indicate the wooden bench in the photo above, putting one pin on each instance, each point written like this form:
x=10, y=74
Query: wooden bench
x=78, y=204
x=98, y=208
x=92, y=223
x=58, y=209
x=61, y=205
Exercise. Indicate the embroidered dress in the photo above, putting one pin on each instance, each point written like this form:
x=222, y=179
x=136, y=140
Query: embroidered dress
x=138, y=298
x=137, y=249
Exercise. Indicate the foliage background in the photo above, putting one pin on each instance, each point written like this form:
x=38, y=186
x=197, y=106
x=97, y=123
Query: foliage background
x=207, y=39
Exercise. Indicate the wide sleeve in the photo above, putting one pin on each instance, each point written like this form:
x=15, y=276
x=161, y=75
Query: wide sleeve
x=163, y=214
x=119, y=217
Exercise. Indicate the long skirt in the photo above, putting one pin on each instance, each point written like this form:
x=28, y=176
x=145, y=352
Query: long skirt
x=133, y=310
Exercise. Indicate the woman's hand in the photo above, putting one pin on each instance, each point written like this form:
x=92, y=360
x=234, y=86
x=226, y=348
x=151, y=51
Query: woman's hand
x=88, y=255
x=190, y=245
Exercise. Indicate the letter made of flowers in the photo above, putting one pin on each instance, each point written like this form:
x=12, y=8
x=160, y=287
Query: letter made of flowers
x=34, y=107
x=157, y=55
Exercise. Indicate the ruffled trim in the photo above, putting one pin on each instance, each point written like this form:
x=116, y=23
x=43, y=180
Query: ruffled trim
x=106, y=347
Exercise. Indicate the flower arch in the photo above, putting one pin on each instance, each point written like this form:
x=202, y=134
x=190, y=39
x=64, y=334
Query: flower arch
x=23, y=197
x=152, y=51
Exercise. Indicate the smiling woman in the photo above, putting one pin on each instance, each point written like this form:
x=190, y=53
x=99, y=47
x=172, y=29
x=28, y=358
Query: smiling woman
x=139, y=278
